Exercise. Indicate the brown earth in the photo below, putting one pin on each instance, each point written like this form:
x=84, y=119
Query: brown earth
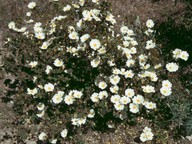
x=125, y=10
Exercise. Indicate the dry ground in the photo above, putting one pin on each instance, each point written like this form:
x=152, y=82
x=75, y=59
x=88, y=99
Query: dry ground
x=126, y=9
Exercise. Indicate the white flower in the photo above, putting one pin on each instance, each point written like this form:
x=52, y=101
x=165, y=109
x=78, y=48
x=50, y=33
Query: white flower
x=76, y=6
x=115, y=99
x=33, y=64
x=81, y=2
x=103, y=94
x=184, y=55
x=40, y=35
x=126, y=43
x=40, y=106
x=85, y=37
x=176, y=53
x=95, y=97
x=38, y=29
x=11, y=25
x=133, y=50
x=31, y=91
x=149, y=31
x=58, y=98
x=114, y=79
x=95, y=62
x=125, y=100
x=151, y=74
x=148, y=89
x=146, y=129
x=77, y=94
x=166, y=84
x=114, y=89
x=78, y=121
x=130, y=62
x=124, y=29
x=49, y=87
x=87, y=15
x=149, y=105
x=40, y=86
x=71, y=93
x=130, y=33
x=143, y=58
x=134, y=42
x=82, y=121
x=67, y=8
x=37, y=24
x=34, y=78
x=95, y=44
x=58, y=62
x=146, y=135
x=91, y=113
x=165, y=91
x=129, y=74
x=149, y=23
x=74, y=35
x=102, y=85
x=172, y=67
x=157, y=66
x=154, y=77
x=95, y=14
x=74, y=121
x=127, y=52
x=69, y=100
x=41, y=114
x=128, y=38
x=64, y=133
x=143, y=137
x=149, y=135
x=119, y=106
x=102, y=50
x=31, y=5
x=134, y=108
x=54, y=141
x=42, y=136
x=139, y=99
x=111, y=63
x=28, y=14
x=110, y=18
x=95, y=1
x=143, y=66
x=129, y=92
x=116, y=71
x=48, y=69
x=150, y=44
x=45, y=45
x=122, y=72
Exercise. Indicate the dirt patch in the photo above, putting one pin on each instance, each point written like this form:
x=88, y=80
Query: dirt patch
x=124, y=10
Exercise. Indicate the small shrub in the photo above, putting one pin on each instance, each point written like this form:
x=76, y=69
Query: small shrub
x=75, y=72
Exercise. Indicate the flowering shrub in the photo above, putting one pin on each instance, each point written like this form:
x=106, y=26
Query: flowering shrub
x=75, y=70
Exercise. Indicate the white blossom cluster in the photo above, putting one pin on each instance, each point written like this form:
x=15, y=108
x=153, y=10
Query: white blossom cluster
x=166, y=88
x=117, y=88
x=146, y=135
x=179, y=54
